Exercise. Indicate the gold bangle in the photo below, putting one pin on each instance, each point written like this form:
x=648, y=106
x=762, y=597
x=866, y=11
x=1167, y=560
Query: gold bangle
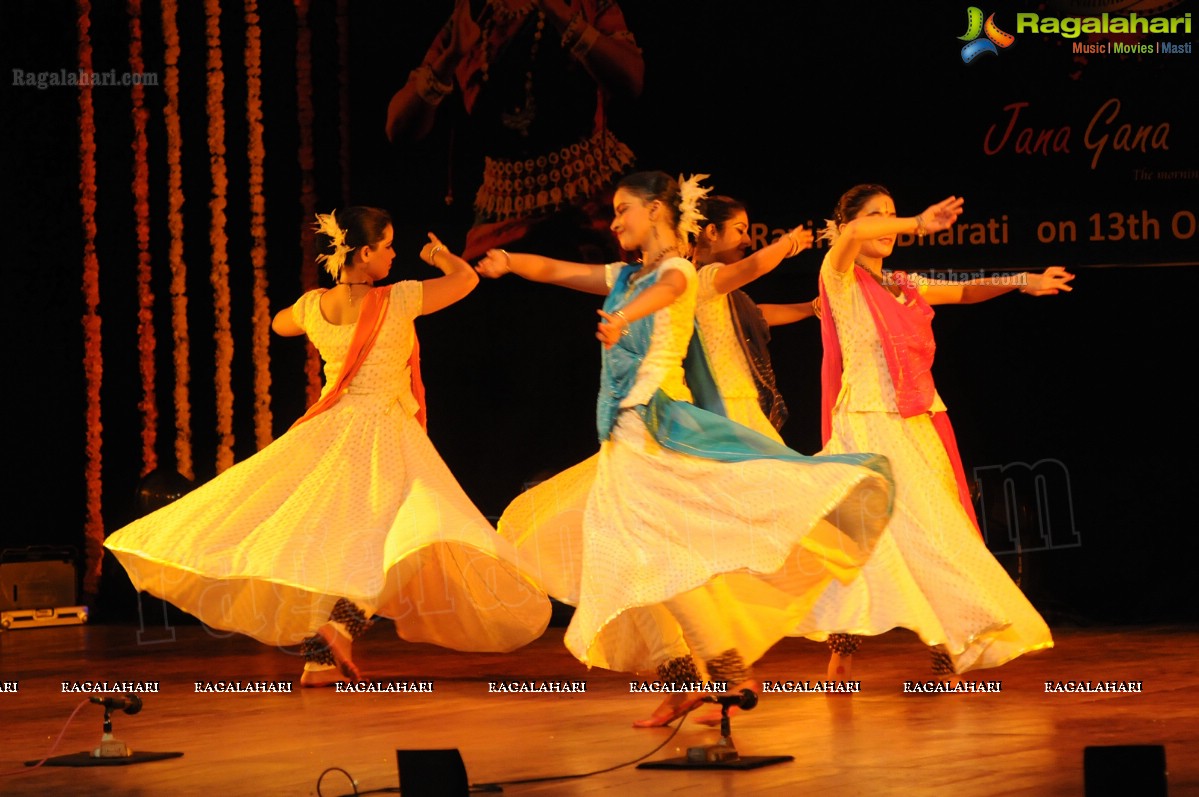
x=794, y=244
x=429, y=87
x=921, y=230
x=584, y=43
x=433, y=253
x=620, y=314
x=507, y=261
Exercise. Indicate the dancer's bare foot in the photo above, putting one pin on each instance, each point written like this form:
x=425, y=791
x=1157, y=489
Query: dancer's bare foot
x=840, y=666
x=713, y=718
x=339, y=646
x=670, y=710
x=325, y=676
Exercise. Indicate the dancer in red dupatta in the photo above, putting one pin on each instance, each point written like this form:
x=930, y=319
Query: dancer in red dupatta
x=932, y=572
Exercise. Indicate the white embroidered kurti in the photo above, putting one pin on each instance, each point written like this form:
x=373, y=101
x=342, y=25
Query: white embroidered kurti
x=727, y=358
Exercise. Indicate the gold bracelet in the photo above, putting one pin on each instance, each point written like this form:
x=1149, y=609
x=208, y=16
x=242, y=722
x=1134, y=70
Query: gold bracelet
x=921, y=230
x=433, y=253
x=507, y=261
x=620, y=314
x=429, y=87
x=584, y=43
x=794, y=244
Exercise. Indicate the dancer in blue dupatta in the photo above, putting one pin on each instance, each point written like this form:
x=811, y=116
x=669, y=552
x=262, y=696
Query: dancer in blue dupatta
x=689, y=542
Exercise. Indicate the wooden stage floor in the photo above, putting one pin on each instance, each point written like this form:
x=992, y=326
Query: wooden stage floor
x=1019, y=741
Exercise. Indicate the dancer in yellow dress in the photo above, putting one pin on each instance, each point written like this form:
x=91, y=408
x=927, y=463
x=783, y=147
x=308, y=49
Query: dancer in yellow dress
x=733, y=328
x=352, y=512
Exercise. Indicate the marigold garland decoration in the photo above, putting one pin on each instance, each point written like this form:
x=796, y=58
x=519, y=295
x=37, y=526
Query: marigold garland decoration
x=308, y=273
x=179, y=331
x=146, y=342
x=261, y=319
x=219, y=276
x=93, y=530
x=343, y=85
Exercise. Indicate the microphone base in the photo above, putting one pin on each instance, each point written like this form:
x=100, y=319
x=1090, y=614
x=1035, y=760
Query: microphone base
x=739, y=763
x=720, y=752
x=85, y=759
x=111, y=748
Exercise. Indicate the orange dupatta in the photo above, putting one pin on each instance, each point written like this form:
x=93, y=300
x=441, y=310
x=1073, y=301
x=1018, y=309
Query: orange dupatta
x=366, y=331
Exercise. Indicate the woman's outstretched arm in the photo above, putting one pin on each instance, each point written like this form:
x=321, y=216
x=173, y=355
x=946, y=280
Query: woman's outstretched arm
x=585, y=277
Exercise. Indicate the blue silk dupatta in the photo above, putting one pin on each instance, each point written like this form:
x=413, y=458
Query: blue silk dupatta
x=700, y=428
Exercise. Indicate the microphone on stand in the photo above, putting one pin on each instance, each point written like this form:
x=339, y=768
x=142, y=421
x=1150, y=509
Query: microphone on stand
x=744, y=700
x=111, y=747
x=130, y=704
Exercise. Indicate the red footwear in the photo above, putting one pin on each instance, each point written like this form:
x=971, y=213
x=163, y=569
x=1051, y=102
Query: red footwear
x=670, y=710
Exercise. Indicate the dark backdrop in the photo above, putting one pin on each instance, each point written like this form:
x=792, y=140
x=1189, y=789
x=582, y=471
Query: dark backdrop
x=1080, y=403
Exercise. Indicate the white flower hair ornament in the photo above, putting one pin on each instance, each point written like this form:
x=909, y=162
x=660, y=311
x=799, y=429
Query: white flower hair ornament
x=830, y=232
x=327, y=224
x=690, y=195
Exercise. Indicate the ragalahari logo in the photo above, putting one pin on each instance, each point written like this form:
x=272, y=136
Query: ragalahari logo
x=975, y=27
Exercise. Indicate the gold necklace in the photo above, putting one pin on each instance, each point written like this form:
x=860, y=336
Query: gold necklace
x=351, y=285
x=505, y=17
x=647, y=269
x=880, y=278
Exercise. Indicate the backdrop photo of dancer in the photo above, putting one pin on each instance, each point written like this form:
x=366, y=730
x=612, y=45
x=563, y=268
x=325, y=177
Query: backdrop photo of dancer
x=535, y=78
x=689, y=542
x=932, y=572
x=351, y=513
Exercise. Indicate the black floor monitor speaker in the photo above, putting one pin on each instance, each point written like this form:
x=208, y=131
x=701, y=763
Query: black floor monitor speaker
x=1122, y=770
x=432, y=773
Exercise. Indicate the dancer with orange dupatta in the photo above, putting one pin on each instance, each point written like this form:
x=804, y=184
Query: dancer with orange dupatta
x=352, y=512
x=932, y=572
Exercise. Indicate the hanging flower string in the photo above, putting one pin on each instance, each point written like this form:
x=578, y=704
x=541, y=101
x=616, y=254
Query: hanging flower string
x=93, y=365
x=182, y=349
x=261, y=319
x=219, y=276
x=146, y=342
x=343, y=85
x=308, y=272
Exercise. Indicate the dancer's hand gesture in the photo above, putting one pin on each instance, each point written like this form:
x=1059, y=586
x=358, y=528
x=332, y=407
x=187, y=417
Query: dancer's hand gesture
x=942, y=215
x=1049, y=282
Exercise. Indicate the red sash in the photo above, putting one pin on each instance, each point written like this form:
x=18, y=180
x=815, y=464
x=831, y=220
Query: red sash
x=905, y=331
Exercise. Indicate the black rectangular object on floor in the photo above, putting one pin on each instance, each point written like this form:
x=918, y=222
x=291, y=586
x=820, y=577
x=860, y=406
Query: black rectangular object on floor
x=37, y=578
x=432, y=773
x=1122, y=770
